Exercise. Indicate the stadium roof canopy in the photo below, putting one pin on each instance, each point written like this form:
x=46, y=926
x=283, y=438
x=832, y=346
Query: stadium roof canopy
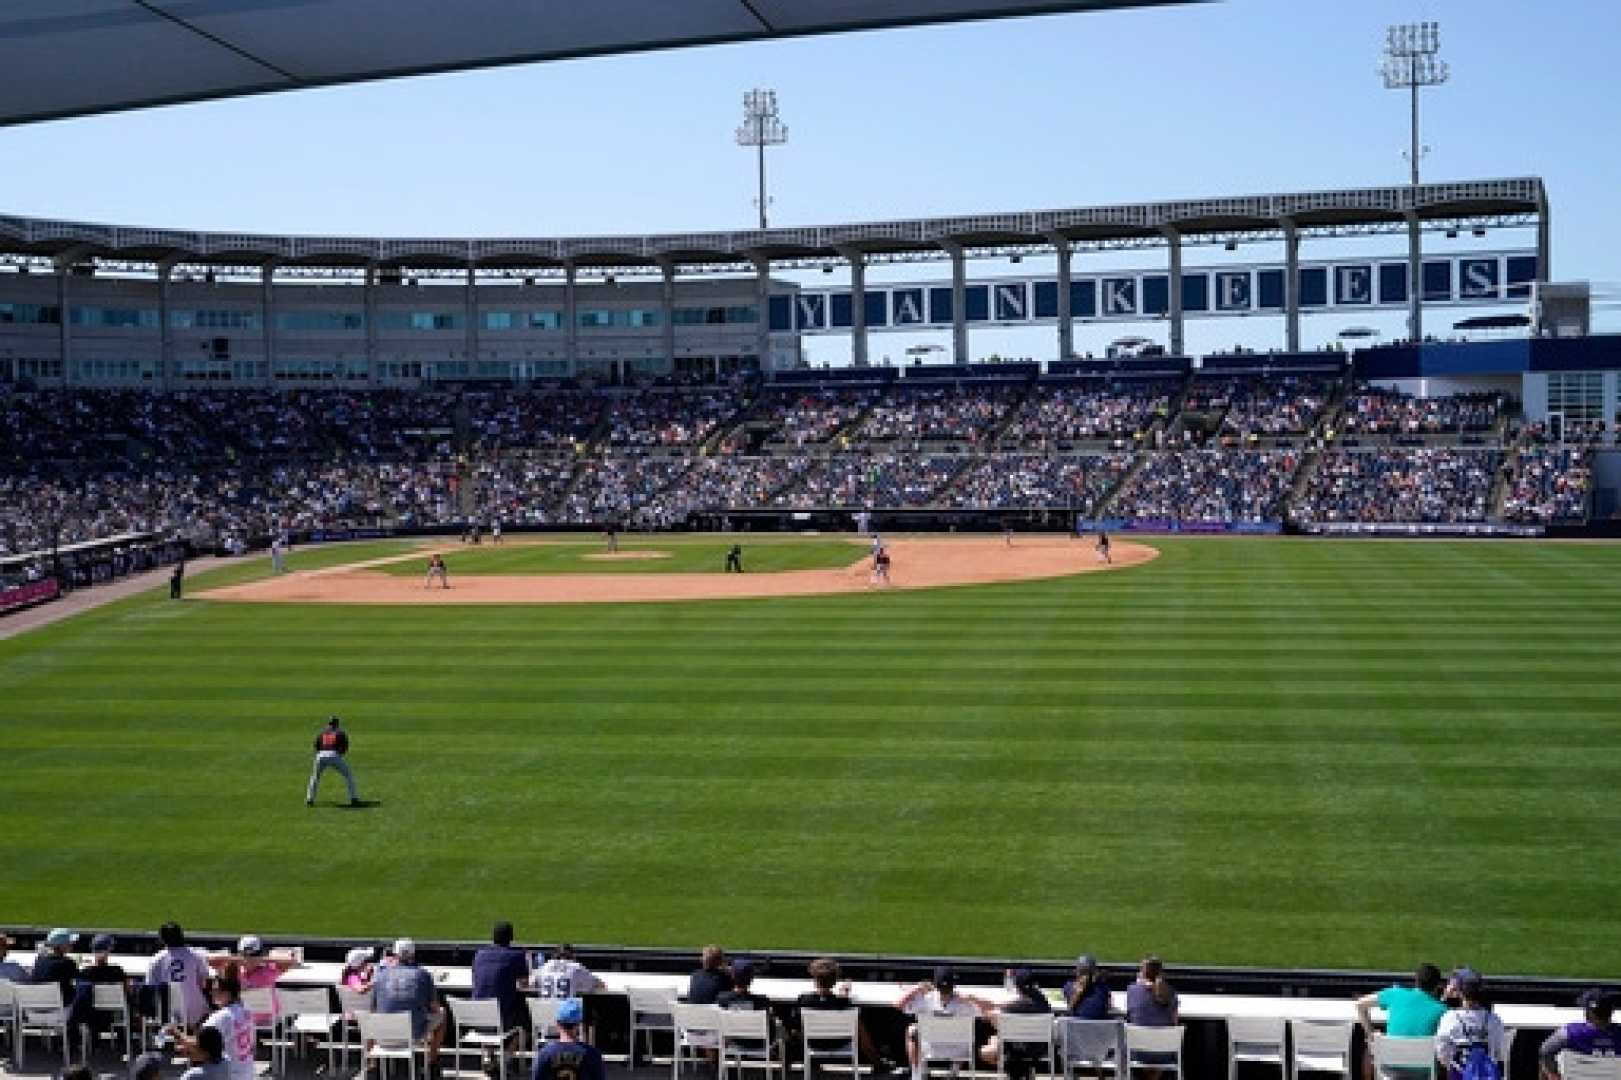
x=66, y=58
x=1473, y=204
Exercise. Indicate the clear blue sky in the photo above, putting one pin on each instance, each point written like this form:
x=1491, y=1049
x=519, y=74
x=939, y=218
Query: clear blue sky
x=1237, y=97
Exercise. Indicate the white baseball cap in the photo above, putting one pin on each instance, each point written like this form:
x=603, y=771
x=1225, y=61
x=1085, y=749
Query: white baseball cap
x=250, y=945
x=405, y=949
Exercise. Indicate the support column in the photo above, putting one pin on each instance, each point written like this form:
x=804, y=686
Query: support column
x=267, y=315
x=1066, y=324
x=64, y=267
x=1178, y=343
x=1544, y=241
x=959, y=303
x=762, y=301
x=369, y=300
x=571, y=320
x=667, y=310
x=1291, y=286
x=471, y=300
x=1415, y=278
x=165, y=273
x=858, y=306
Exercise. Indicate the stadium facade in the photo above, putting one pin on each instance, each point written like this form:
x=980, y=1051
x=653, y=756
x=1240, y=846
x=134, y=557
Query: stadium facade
x=91, y=304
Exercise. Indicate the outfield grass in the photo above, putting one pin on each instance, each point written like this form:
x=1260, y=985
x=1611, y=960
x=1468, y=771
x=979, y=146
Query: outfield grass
x=675, y=555
x=1255, y=752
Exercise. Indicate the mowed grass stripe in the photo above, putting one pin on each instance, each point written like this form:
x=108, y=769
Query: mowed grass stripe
x=1248, y=752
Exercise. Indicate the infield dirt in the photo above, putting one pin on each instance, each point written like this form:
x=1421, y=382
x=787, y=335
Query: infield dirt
x=916, y=564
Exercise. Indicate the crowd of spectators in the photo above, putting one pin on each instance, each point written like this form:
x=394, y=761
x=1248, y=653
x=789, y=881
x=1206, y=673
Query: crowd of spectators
x=1431, y=485
x=1085, y=411
x=939, y=413
x=1029, y=481
x=1276, y=406
x=655, y=418
x=1377, y=411
x=719, y=484
x=621, y=489
x=533, y=420
x=1209, y=485
x=1549, y=484
x=805, y=417
x=862, y=481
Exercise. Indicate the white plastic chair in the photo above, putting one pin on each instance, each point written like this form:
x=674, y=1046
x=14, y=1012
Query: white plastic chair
x=41, y=1012
x=543, y=1018
x=650, y=1011
x=746, y=1039
x=8, y=1011
x=949, y=1039
x=478, y=1029
x=307, y=1013
x=1574, y=1066
x=697, y=1027
x=830, y=1034
x=1320, y=1047
x=1159, y=1041
x=111, y=998
x=351, y=1003
x=1508, y=1050
x=1257, y=1040
x=1402, y=1059
x=1024, y=1029
x=387, y=1037
x=1092, y=1044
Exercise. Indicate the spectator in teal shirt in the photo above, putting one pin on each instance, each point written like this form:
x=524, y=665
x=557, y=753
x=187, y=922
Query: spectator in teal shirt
x=1411, y=1012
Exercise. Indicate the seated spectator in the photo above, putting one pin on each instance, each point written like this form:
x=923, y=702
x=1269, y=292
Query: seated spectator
x=562, y=976
x=183, y=971
x=54, y=965
x=1592, y=1034
x=231, y=1020
x=936, y=997
x=357, y=970
x=740, y=996
x=1150, y=1001
x=403, y=987
x=567, y=1057
x=1411, y=1012
x=257, y=968
x=829, y=993
x=1470, y=1028
x=10, y=970
x=711, y=980
x=501, y=972
x=1029, y=998
x=1086, y=995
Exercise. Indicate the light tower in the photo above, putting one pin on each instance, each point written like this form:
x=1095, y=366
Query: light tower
x=761, y=127
x=1412, y=62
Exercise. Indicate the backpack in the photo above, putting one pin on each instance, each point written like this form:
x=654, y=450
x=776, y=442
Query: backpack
x=1478, y=1064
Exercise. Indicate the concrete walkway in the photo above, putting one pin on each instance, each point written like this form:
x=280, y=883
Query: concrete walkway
x=80, y=600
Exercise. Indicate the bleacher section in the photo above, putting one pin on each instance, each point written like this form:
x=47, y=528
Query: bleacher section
x=1145, y=443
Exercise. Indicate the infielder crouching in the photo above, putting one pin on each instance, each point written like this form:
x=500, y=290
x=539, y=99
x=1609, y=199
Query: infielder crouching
x=331, y=744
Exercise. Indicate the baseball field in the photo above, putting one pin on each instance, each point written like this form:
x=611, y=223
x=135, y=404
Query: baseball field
x=1261, y=752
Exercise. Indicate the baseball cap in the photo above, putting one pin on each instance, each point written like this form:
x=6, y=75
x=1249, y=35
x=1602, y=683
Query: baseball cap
x=333, y=720
x=356, y=956
x=102, y=943
x=1597, y=1000
x=146, y=1066
x=1025, y=979
x=1467, y=979
x=742, y=970
x=1086, y=962
x=405, y=949
x=571, y=1011
x=945, y=976
x=250, y=945
x=60, y=936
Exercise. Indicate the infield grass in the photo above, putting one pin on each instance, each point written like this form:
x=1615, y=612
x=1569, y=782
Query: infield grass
x=1255, y=752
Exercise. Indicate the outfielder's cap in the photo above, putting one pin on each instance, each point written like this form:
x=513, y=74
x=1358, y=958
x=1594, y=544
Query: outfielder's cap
x=1597, y=1000
x=102, y=943
x=571, y=1011
x=333, y=721
x=251, y=945
x=60, y=936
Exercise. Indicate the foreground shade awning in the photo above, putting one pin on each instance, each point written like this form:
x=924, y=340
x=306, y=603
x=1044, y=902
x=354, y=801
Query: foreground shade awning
x=65, y=58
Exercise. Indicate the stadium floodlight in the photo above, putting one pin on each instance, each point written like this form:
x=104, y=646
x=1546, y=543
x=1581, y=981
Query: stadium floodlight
x=1412, y=62
x=761, y=127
